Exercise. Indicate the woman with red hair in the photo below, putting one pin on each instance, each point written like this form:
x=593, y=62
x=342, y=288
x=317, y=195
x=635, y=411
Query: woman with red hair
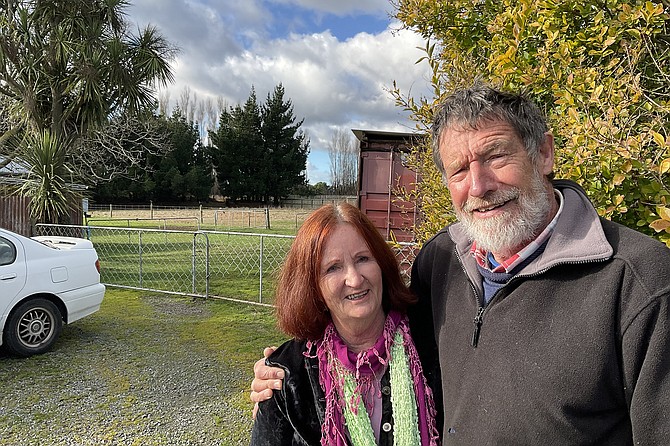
x=352, y=375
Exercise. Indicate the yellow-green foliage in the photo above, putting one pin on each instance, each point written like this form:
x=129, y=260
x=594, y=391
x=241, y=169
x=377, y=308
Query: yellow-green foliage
x=600, y=70
x=430, y=194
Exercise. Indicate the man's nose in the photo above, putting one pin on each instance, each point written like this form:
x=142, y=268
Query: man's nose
x=482, y=179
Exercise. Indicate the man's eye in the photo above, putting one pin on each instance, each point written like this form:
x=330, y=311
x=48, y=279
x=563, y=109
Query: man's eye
x=456, y=174
x=498, y=156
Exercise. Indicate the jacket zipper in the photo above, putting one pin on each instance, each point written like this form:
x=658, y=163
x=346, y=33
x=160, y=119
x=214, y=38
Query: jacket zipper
x=479, y=318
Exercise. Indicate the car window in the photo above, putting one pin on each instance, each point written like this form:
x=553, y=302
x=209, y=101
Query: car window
x=7, y=252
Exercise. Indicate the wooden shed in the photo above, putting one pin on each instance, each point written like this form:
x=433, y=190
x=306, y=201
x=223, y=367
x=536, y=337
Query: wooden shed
x=382, y=173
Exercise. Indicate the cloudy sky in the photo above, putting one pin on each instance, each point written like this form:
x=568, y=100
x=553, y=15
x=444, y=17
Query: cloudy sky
x=336, y=59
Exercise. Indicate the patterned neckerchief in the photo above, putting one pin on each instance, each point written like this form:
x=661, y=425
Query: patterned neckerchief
x=508, y=265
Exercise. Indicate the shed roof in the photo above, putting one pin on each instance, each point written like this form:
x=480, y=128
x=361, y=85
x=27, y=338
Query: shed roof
x=15, y=171
x=12, y=168
x=383, y=141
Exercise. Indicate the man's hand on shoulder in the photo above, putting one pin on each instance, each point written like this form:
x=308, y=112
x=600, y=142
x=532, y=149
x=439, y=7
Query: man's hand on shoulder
x=266, y=379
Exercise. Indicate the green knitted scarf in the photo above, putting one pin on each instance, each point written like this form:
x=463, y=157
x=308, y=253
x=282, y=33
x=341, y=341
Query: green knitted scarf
x=403, y=403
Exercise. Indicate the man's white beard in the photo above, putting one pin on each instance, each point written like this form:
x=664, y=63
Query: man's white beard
x=506, y=234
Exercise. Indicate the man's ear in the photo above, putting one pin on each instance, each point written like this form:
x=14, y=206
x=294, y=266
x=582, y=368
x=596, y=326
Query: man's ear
x=545, y=156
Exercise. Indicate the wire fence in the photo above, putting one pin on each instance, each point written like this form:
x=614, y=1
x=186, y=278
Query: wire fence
x=227, y=265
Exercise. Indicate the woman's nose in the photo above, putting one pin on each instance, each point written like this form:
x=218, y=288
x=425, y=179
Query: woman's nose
x=353, y=277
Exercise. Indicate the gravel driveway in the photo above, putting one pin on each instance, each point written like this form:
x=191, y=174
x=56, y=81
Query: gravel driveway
x=139, y=375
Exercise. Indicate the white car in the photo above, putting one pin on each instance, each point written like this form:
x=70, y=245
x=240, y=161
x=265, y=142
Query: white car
x=45, y=282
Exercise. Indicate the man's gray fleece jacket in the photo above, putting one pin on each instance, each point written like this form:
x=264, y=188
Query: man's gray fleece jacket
x=574, y=350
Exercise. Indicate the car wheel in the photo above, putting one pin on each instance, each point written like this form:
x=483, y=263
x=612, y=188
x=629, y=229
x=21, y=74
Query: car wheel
x=33, y=327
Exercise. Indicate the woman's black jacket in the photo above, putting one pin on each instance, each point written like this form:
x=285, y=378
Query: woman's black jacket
x=294, y=415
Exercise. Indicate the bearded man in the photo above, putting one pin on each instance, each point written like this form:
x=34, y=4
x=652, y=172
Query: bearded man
x=538, y=322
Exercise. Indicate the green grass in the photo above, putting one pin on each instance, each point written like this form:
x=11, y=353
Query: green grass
x=282, y=221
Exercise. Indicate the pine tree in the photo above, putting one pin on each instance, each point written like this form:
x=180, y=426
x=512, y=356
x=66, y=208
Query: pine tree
x=259, y=151
x=237, y=151
x=286, y=146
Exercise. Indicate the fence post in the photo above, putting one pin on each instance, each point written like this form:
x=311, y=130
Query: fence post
x=140, y=254
x=193, y=263
x=206, y=266
x=260, y=269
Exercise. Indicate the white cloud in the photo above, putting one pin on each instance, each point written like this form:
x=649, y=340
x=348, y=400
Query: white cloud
x=331, y=81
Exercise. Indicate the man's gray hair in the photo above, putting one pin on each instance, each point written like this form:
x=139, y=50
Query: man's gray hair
x=473, y=107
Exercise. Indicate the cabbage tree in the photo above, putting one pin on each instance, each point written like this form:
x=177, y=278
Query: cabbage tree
x=68, y=69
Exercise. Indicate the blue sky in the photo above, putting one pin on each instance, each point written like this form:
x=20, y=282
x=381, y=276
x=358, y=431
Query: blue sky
x=300, y=20
x=336, y=59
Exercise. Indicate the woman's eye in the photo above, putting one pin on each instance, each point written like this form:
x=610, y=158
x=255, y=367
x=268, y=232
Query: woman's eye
x=363, y=259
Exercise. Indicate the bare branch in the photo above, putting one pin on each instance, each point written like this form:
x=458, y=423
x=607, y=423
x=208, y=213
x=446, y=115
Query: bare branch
x=117, y=149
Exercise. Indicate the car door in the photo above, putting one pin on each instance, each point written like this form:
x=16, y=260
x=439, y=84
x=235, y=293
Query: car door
x=12, y=271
